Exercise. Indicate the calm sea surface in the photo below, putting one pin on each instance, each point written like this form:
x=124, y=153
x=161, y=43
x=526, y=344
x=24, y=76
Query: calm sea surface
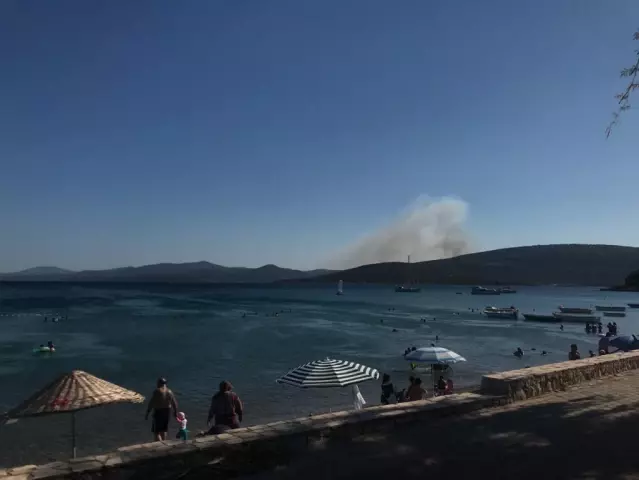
x=196, y=337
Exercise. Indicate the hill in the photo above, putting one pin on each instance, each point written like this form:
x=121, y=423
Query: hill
x=573, y=264
x=195, y=272
x=39, y=271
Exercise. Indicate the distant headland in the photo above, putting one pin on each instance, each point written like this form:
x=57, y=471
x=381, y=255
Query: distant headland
x=569, y=264
x=631, y=284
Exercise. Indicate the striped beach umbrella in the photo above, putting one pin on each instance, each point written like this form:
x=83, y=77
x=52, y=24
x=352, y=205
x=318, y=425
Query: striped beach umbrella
x=434, y=356
x=328, y=373
x=70, y=393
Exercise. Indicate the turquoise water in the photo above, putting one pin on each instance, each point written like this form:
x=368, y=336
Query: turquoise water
x=196, y=337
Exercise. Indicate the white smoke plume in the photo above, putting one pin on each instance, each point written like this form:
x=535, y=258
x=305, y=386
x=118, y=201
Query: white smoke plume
x=428, y=230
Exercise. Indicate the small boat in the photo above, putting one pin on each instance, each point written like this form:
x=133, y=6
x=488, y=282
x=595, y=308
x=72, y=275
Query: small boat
x=405, y=289
x=533, y=317
x=579, y=310
x=494, y=312
x=507, y=290
x=609, y=308
x=340, y=288
x=633, y=305
x=614, y=314
x=484, y=291
x=576, y=318
x=43, y=350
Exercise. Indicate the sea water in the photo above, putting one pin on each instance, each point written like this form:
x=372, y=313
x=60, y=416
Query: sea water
x=198, y=336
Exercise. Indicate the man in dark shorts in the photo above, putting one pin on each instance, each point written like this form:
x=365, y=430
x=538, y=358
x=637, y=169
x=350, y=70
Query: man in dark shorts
x=162, y=401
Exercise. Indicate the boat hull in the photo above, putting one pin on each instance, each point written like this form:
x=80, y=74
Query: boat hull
x=576, y=310
x=608, y=308
x=614, y=314
x=531, y=317
x=633, y=305
x=568, y=318
x=502, y=315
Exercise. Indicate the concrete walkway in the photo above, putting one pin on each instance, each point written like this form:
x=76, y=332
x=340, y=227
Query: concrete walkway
x=589, y=431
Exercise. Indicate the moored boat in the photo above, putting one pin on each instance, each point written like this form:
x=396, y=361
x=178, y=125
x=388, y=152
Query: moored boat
x=579, y=310
x=494, y=312
x=609, y=308
x=576, y=318
x=614, y=314
x=484, y=291
x=507, y=290
x=405, y=289
x=633, y=305
x=533, y=317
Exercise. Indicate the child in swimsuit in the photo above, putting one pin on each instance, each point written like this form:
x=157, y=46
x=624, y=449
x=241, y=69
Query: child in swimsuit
x=183, y=433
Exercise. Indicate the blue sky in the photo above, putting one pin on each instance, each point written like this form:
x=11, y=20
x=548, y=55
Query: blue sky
x=281, y=131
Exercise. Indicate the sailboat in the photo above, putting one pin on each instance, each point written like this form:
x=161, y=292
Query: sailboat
x=340, y=288
x=406, y=288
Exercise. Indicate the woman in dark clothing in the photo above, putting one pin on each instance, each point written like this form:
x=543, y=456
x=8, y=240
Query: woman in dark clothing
x=162, y=401
x=388, y=390
x=226, y=408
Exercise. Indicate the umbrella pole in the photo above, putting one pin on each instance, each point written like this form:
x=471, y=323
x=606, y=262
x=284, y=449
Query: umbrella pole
x=432, y=378
x=73, y=434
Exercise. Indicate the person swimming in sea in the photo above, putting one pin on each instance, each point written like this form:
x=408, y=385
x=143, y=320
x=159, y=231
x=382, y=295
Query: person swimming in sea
x=518, y=353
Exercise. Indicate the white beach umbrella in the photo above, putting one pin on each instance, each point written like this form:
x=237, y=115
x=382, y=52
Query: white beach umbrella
x=434, y=356
x=328, y=373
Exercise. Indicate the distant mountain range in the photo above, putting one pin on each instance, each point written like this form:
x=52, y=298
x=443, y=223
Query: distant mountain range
x=196, y=272
x=574, y=264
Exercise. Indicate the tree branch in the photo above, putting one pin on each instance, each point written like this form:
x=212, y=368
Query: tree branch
x=623, y=99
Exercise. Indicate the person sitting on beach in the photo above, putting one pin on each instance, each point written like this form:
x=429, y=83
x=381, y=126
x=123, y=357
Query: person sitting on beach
x=226, y=407
x=162, y=401
x=441, y=385
x=449, y=387
x=574, y=352
x=415, y=391
x=403, y=395
x=388, y=390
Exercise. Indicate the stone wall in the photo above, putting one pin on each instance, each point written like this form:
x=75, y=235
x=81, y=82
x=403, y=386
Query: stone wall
x=262, y=447
x=531, y=382
x=247, y=450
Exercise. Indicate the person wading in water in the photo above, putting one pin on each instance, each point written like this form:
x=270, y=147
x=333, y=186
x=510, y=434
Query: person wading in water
x=226, y=409
x=162, y=401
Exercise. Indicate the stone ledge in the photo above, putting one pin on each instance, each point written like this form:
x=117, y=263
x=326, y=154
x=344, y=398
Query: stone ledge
x=253, y=446
x=531, y=382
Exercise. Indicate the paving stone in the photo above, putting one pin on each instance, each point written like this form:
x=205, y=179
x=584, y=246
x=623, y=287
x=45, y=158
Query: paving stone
x=88, y=465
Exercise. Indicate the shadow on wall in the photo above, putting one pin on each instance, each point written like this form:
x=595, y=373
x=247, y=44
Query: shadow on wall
x=586, y=437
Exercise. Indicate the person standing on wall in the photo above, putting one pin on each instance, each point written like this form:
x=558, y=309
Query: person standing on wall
x=161, y=403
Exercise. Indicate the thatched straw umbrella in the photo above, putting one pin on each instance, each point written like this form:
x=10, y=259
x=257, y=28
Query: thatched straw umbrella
x=71, y=392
